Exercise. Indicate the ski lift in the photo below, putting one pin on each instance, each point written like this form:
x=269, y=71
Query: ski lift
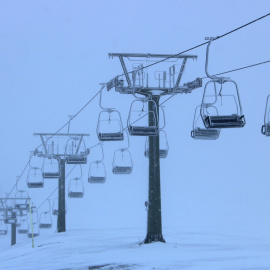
x=23, y=229
x=266, y=126
x=50, y=168
x=75, y=151
x=163, y=145
x=137, y=122
x=234, y=120
x=45, y=220
x=109, y=126
x=33, y=230
x=122, y=161
x=203, y=133
x=3, y=228
x=76, y=188
x=21, y=201
x=19, y=222
x=97, y=171
x=35, y=178
x=21, y=219
x=55, y=207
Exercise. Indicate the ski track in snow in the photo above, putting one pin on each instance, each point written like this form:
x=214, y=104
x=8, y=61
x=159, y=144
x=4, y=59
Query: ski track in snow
x=120, y=249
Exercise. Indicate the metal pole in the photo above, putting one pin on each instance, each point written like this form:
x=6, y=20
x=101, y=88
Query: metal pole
x=32, y=228
x=61, y=218
x=154, y=223
x=13, y=231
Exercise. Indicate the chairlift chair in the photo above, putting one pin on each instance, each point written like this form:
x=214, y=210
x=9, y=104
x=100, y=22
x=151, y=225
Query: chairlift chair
x=75, y=188
x=3, y=228
x=45, y=220
x=266, y=126
x=75, y=150
x=10, y=216
x=55, y=207
x=109, y=127
x=97, y=172
x=163, y=145
x=138, y=118
x=21, y=219
x=203, y=133
x=23, y=229
x=21, y=201
x=50, y=168
x=122, y=162
x=35, y=178
x=33, y=230
x=234, y=120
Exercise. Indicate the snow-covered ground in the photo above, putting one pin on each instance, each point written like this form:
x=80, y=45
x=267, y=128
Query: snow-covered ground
x=120, y=249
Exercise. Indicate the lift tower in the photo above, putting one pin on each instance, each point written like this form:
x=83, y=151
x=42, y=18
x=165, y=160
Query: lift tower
x=74, y=152
x=11, y=209
x=138, y=84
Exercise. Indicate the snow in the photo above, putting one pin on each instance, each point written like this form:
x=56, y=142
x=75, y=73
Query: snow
x=121, y=249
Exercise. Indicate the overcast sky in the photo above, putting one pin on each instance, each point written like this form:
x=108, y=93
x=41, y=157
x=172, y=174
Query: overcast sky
x=54, y=55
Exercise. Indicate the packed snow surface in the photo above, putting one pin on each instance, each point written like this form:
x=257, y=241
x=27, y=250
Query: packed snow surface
x=120, y=249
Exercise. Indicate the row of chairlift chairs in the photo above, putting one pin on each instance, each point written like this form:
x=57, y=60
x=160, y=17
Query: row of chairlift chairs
x=122, y=160
x=212, y=110
x=17, y=211
x=109, y=128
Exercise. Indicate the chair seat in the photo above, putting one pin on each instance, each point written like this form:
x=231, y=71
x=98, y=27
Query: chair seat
x=76, y=159
x=22, y=231
x=29, y=235
x=122, y=169
x=73, y=194
x=162, y=153
x=225, y=121
x=119, y=136
x=35, y=185
x=143, y=131
x=45, y=225
x=50, y=175
x=96, y=179
x=205, y=134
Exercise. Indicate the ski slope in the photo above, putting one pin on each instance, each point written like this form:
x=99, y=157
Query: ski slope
x=121, y=249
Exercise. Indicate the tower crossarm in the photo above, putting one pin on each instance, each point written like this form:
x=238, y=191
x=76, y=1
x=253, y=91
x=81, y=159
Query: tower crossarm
x=140, y=83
